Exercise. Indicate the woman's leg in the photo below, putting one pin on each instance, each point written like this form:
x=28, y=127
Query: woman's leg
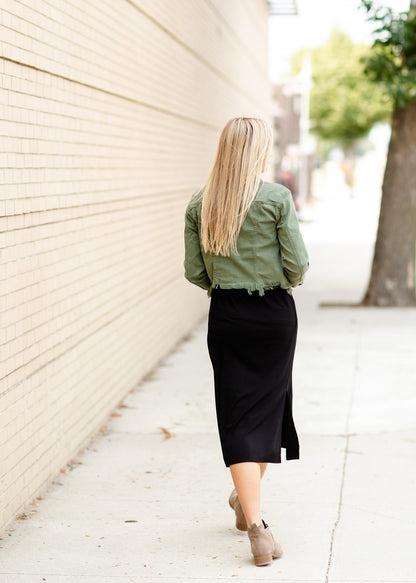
x=246, y=477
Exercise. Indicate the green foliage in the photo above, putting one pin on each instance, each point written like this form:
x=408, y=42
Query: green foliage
x=344, y=103
x=392, y=63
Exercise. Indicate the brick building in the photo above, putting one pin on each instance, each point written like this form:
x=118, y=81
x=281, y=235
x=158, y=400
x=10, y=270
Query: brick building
x=111, y=112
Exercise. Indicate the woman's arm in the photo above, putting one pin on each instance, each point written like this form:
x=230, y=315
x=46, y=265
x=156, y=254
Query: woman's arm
x=293, y=251
x=195, y=271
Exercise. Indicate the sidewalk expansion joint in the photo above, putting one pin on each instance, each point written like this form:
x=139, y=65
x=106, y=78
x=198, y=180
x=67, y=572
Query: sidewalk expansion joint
x=338, y=518
x=348, y=436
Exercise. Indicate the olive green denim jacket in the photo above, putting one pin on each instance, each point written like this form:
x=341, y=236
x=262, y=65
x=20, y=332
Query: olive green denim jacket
x=270, y=247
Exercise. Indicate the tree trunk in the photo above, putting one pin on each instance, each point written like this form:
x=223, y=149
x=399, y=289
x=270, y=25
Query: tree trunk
x=349, y=167
x=392, y=280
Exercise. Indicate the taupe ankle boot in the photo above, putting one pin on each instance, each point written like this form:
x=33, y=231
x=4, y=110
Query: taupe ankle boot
x=240, y=519
x=263, y=545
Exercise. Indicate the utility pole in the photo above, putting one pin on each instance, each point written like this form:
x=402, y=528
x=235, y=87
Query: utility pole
x=304, y=138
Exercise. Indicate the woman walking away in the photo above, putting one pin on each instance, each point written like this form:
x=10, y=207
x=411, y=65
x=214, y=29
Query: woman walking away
x=243, y=245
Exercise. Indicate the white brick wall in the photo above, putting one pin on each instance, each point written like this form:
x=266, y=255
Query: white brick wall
x=110, y=112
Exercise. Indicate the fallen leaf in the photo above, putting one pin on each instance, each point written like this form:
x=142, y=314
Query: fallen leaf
x=23, y=516
x=166, y=433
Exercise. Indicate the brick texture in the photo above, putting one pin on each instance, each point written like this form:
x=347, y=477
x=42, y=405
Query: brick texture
x=110, y=113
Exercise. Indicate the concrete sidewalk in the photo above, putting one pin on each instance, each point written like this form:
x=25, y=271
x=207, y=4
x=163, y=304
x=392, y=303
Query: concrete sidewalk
x=147, y=500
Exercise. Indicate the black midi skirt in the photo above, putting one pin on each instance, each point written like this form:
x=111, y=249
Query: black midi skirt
x=251, y=343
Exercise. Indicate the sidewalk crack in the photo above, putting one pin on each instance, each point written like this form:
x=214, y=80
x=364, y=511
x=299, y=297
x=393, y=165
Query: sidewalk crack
x=334, y=528
x=347, y=436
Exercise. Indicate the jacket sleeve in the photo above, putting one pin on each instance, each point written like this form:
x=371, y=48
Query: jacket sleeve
x=195, y=271
x=292, y=247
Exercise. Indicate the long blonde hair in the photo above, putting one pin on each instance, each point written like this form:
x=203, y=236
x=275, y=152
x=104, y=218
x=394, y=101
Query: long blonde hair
x=233, y=182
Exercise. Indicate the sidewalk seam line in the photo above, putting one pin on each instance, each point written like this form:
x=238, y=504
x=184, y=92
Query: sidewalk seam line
x=339, y=509
x=346, y=451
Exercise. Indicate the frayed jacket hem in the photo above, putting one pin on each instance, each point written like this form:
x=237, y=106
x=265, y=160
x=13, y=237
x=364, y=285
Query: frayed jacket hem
x=249, y=286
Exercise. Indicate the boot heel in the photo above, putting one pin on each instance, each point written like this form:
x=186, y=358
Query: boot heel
x=240, y=521
x=263, y=545
x=263, y=560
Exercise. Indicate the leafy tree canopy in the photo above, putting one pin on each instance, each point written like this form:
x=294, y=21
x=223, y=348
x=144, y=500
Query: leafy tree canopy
x=392, y=62
x=344, y=103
